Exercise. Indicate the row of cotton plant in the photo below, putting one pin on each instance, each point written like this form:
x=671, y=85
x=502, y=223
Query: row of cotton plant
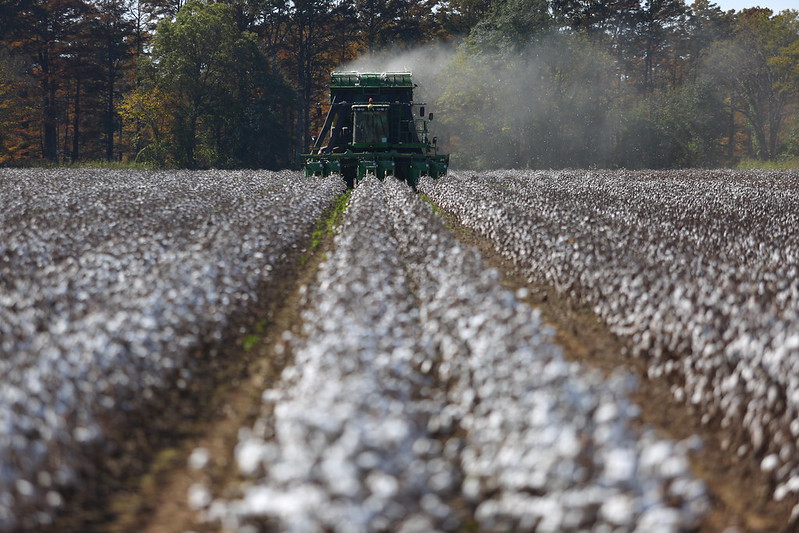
x=109, y=281
x=423, y=396
x=697, y=268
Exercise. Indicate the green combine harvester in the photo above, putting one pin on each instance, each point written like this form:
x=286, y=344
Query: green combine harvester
x=371, y=128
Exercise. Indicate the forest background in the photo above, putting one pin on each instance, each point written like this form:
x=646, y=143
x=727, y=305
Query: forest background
x=514, y=83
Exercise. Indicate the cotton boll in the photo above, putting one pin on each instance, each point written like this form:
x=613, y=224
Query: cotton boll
x=199, y=497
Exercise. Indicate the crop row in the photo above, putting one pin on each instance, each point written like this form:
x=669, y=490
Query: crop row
x=698, y=269
x=424, y=396
x=109, y=281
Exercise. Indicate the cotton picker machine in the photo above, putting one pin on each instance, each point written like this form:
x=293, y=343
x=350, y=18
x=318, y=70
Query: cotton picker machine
x=371, y=128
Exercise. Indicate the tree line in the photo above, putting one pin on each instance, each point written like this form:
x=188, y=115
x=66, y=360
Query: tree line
x=625, y=83
x=529, y=83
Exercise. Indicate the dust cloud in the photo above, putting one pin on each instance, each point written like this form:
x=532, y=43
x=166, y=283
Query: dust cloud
x=427, y=63
x=546, y=106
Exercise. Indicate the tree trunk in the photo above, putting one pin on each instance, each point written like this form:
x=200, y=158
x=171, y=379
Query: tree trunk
x=109, y=120
x=76, y=125
x=192, y=144
x=731, y=134
x=776, y=119
x=50, y=126
x=65, y=136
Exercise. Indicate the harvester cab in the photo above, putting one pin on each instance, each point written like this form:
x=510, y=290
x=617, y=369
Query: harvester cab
x=371, y=128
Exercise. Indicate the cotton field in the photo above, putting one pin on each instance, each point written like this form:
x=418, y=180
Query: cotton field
x=107, y=282
x=418, y=394
x=422, y=387
x=698, y=269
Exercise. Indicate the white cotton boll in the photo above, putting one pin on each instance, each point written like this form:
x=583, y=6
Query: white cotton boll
x=619, y=510
x=24, y=487
x=198, y=459
x=789, y=487
x=341, y=477
x=655, y=454
x=620, y=465
x=249, y=455
x=367, y=460
x=674, y=466
x=382, y=485
x=83, y=434
x=54, y=499
x=659, y=520
x=199, y=496
x=265, y=501
x=471, y=488
x=742, y=450
x=769, y=463
x=416, y=524
x=552, y=516
x=679, y=394
x=605, y=413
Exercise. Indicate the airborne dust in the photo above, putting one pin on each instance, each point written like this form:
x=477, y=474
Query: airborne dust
x=545, y=106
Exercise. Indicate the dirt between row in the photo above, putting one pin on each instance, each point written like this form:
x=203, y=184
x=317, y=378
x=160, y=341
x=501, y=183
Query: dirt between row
x=154, y=500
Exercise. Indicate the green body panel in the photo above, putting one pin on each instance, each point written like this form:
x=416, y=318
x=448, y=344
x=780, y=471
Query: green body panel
x=350, y=80
x=370, y=128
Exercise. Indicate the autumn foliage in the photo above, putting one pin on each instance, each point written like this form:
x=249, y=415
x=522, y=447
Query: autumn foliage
x=533, y=83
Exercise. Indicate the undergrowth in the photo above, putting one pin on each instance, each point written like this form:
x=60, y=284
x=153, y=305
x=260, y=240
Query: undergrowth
x=778, y=164
x=434, y=206
x=327, y=224
x=101, y=164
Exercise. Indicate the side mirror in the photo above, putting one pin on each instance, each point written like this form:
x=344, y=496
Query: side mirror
x=430, y=117
x=421, y=111
x=435, y=141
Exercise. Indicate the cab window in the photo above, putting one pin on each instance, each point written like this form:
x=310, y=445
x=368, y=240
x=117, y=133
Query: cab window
x=370, y=124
